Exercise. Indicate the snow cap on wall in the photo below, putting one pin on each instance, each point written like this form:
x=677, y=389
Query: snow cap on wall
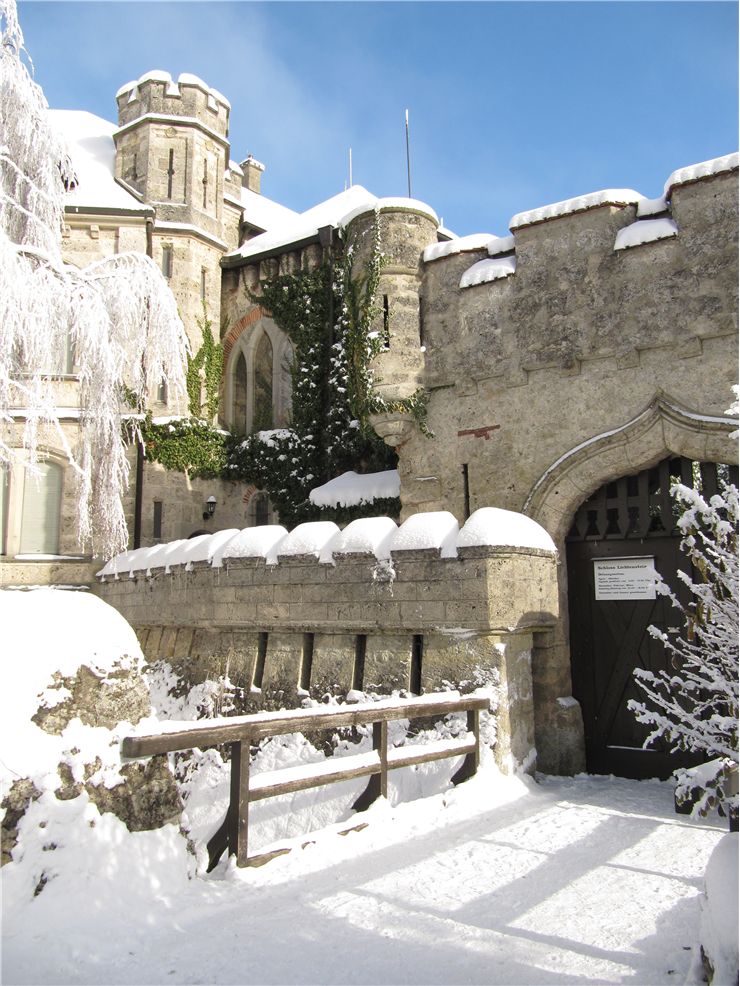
x=314, y=538
x=252, y=542
x=436, y=529
x=367, y=535
x=352, y=488
x=492, y=526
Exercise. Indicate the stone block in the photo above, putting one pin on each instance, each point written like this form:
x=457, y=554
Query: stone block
x=282, y=670
x=387, y=662
x=333, y=664
x=183, y=642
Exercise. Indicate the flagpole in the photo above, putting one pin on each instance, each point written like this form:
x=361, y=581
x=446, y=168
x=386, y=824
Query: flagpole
x=408, y=154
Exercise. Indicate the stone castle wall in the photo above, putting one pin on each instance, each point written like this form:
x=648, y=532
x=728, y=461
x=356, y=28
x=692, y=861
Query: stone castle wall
x=323, y=629
x=577, y=342
x=525, y=373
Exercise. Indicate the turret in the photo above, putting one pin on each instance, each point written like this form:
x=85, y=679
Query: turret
x=173, y=149
x=405, y=228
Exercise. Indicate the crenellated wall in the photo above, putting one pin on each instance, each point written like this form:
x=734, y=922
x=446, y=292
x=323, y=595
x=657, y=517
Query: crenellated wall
x=300, y=627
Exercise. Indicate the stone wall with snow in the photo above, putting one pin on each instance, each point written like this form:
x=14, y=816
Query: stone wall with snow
x=375, y=607
x=586, y=363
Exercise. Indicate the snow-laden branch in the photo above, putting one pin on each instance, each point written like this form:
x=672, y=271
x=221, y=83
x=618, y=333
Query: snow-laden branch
x=695, y=707
x=116, y=319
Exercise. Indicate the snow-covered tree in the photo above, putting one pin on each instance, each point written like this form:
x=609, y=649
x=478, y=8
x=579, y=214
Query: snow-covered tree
x=118, y=315
x=695, y=707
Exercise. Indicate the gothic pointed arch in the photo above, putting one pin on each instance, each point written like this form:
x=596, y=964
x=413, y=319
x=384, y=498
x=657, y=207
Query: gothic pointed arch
x=257, y=375
x=664, y=427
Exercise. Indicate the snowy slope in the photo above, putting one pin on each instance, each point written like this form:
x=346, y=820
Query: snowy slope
x=587, y=880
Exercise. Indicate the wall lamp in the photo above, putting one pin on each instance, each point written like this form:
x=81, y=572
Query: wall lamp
x=210, y=508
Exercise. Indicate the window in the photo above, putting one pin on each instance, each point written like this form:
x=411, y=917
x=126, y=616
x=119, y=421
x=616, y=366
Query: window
x=162, y=392
x=258, y=380
x=386, y=323
x=3, y=508
x=157, y=521
x=170, y=173
x=263, y=369
x=203, y=283
x=167, y=260
x=240, y=396
x=42, y=502
x=261, y=510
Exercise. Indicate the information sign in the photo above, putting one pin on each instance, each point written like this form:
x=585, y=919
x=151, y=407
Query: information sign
x=625, y=578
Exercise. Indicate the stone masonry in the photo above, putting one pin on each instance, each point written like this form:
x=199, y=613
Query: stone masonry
x=426, y=623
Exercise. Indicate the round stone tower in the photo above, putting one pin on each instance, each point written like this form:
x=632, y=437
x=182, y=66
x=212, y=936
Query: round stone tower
x=399, y=229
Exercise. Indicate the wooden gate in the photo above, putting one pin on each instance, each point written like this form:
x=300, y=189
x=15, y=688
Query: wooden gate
x=617, y=534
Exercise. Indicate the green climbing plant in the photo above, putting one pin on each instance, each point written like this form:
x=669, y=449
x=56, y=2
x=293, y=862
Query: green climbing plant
x=204, y=372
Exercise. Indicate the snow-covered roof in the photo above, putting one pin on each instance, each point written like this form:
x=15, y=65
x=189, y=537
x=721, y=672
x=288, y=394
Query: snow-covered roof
x=351, y=489
x=263, y=212
x=705, y=169
x=645, y=231
x=89, y=139
x=490, y=269
x=337, y=211
x=607, y=196
x=173, y=88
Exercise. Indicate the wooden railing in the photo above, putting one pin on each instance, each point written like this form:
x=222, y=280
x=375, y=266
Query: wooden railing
x=241, y=732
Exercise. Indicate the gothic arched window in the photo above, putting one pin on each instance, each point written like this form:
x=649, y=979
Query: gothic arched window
x=262, y=410
x=240, y=396
x=258, y=380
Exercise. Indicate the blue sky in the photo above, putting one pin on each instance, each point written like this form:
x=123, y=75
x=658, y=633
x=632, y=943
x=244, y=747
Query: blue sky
x=512, y=105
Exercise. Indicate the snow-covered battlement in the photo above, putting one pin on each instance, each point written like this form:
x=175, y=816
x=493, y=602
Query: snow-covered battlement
x=380, y=537
x=187, y=100
x=375, y=607
x=658, y=223
x=173, y=87
x=495, y=573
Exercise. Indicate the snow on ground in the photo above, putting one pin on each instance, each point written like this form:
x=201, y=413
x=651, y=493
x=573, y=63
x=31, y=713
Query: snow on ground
x=500, y=880
x=588, y=879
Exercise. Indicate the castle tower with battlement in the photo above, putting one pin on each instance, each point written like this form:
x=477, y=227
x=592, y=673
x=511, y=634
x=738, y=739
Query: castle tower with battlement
x=172, y=150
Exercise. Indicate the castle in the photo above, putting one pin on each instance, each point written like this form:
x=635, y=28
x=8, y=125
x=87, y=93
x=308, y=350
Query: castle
x=572, y=368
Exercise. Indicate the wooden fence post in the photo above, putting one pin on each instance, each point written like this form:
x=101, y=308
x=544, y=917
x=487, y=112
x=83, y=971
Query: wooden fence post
x=471, y=762
x=378, y=784
x=239, y=802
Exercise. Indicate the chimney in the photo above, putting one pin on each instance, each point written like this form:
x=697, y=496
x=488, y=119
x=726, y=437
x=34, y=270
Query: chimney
x=252, y=174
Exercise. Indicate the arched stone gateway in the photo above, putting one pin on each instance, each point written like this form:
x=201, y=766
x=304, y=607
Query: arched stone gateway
x=621, y=536
x=604, y=482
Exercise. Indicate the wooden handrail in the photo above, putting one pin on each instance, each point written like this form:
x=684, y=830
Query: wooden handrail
x=241, y=732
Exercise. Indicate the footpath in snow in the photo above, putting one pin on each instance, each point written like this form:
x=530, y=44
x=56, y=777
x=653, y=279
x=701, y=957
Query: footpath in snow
x=499, y=881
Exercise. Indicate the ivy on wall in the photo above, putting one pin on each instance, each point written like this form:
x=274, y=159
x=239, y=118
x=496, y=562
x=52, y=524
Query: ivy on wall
x=189, y=445
x=193, y=445
x=327, y=314
x=205, y=369
x=330, y=431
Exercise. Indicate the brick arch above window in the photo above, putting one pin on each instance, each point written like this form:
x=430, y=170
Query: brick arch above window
x=242, y=347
